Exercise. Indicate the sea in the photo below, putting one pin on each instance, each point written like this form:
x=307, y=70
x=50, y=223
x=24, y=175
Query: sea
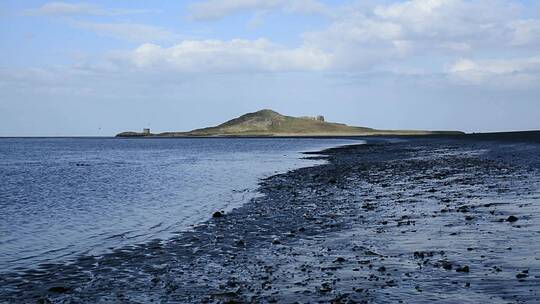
x=61, y=198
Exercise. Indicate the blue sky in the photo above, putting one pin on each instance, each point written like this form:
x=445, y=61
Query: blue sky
x=100, y=67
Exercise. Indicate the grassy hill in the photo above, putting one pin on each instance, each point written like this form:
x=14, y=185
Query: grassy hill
x=270, y=123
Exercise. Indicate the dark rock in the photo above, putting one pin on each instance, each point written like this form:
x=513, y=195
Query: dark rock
x=512, y=219
x=339, y=260
x=463, y=209
x=217, y=214
x=422, y=254
x=59, y=289
x=446, y=265
x=382, y=269
x=276, y=241
x=521, y=275
x=325, y=287
x=463, y=269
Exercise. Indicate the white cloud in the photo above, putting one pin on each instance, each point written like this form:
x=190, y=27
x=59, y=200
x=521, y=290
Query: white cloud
x=78, y=9
x=199, y=56
x=216, y=9
x=520, y=71
x=435, y=29
x=130, y=31
x=414, y=35
x=445, y=15
x=452, y=24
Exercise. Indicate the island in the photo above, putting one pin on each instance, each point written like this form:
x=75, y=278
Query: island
x=269, y=123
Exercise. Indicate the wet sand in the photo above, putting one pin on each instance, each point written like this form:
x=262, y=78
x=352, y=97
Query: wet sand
x=416, y=221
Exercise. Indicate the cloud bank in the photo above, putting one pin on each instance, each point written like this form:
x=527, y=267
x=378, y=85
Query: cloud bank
x=449, y=37
x=217, y=56
x=475, y=42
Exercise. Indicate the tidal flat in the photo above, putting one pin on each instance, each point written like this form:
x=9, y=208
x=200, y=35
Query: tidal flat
x=407, y=221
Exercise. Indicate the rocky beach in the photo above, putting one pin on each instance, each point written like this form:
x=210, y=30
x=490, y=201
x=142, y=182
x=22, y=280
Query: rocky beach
x=417, y=220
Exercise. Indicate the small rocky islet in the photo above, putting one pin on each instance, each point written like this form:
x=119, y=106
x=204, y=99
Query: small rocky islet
x=416, y=221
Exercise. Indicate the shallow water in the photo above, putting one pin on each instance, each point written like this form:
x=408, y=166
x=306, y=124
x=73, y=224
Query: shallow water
x=63, y=197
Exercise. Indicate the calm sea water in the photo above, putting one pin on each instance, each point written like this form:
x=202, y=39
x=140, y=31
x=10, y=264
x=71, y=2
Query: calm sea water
x=63, y=197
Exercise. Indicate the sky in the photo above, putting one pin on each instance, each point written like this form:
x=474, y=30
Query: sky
x=96, y=68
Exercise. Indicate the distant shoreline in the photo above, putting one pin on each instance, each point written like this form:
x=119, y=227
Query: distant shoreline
x=506, y=136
